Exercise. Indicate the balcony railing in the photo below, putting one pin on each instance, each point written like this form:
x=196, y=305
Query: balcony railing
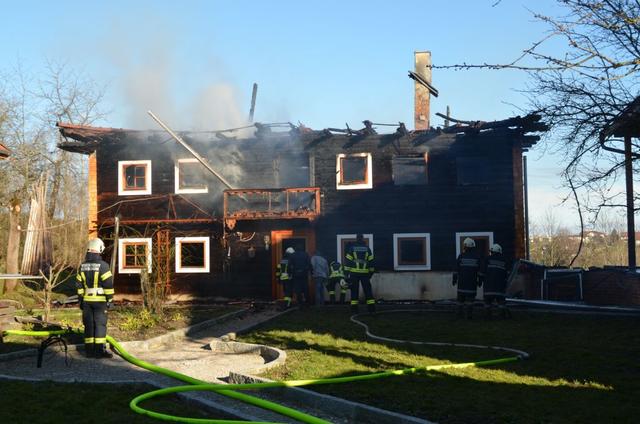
x=272, y=203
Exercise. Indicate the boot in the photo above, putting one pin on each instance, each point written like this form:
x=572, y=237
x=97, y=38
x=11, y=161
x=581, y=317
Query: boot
x=332, y=298
x=371, y=307
x=102, y=352
x=88, y=350
x=342, y=298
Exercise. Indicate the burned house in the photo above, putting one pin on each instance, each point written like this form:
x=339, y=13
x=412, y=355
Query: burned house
x=415, y=195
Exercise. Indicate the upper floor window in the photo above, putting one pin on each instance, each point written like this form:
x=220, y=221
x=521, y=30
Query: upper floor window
x=354, y=171
x=133, y=255
x=134, y=177
x=410, y=170
x=472, y=170
x=189, y=177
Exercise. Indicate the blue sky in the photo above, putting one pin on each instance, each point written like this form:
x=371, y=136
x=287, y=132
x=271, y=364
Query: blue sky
x=322, y=63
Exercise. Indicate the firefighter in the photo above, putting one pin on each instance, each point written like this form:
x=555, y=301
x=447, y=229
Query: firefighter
x=284, y=276
x=336, y=277
x=300, y=268
x=359, y=269
x=495, y=282
x=466, y=277
x=95, y=292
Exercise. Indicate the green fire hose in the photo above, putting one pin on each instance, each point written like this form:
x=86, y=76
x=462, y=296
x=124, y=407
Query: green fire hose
x=231, y=390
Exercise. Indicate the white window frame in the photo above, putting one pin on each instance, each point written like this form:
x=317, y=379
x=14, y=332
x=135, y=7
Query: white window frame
x=396, y=259
x=341, y=237
x=473, y=234
x=369, y=172
x=207, y=263
x=121, y=252
x=122, y=190
x=176, y=168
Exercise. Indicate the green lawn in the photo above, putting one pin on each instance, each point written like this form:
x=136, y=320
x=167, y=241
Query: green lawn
x=582, y=368
x=48, y=403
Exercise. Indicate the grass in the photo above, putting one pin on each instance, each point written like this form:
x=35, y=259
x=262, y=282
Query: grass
x=45, y=403
x=125, y=323
x=582, y=368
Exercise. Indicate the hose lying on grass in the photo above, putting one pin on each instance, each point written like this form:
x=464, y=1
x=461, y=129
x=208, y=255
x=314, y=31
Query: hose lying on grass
x=231, y=390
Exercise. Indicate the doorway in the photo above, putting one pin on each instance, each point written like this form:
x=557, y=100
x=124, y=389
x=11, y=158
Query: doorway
x=304, y=238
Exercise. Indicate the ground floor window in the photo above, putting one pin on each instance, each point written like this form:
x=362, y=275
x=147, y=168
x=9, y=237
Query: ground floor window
x=412, y=251
x=345, y=239
x=192, y=254
x=483, y=239
x=133, y=254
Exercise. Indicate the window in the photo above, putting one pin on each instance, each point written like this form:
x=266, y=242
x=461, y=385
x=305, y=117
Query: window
x=189, y=177
x=353, y=171
x=345, y=239
x=133, y=253
x=134, y=177
x=483, y=240
x=472, y=170
x=192, y=254
x=412, y=252
x=410, y=170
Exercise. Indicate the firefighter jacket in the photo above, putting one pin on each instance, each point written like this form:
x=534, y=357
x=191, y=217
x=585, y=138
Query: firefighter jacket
x=300, y=264
x=468, y=265
x=283, y=271
x=336, y=270
x=495, y=272
x=94, y=280
x=359, y=259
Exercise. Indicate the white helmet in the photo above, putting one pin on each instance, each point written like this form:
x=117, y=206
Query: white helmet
x=95, y=245
x=496, y=248
x=469, y=242
x=289, y=250
x=343, y=283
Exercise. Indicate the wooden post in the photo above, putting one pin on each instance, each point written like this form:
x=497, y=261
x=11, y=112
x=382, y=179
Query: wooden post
x=13, y=244
x=93, y=196
x=631, y=226
x=421, y=105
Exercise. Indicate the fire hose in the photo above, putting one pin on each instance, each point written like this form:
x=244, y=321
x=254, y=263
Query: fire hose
x=231, y=390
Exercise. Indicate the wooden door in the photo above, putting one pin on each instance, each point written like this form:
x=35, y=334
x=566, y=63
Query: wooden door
x=304, y=238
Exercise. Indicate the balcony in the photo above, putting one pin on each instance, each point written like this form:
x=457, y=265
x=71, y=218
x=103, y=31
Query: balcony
x=271, y=203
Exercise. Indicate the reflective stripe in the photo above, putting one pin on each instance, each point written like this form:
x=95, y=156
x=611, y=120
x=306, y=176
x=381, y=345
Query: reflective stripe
x=348, y=256
x=109, y=291
x=100, y=340
x=95, y=299
x=95, y=291
x=371, y=301
x=106, y=275
x=80, y=291
x=95, y=279
x=88, y=339
x=332, y=292
x=354, y=302
x=467, y=291
x=78, y=278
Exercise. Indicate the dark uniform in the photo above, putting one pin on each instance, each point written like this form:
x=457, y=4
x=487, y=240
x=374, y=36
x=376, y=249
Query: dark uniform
x=95, y=291
x=336, y=275
x=283, y=274
x=495, y=283
x=359, y=268
x=468, y=267
x=300, y=268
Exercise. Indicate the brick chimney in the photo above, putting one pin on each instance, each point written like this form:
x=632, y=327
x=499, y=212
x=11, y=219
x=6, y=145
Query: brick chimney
x=421, y=105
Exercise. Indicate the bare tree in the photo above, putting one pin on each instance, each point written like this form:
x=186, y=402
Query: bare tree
x=579, y=89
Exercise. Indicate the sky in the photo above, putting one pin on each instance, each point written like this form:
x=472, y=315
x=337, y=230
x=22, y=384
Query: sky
x=319, y=63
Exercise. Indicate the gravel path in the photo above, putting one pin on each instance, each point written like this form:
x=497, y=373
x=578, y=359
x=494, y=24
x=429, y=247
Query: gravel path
x=183, y=351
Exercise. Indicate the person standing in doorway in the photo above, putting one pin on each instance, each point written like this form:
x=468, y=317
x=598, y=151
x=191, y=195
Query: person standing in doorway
x=94, y=283
x=300, y=267
x=359, y=268
x=284, y=276
x=320, y=273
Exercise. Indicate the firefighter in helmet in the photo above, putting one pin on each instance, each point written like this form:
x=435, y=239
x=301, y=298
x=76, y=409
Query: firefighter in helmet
x=359, y=269
x=284, y=276
x=336, y=278
x=466, y=277
x=494, y=269
x=94, y=282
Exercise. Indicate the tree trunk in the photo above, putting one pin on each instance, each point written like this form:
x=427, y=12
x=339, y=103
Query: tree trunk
x=13, y=244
